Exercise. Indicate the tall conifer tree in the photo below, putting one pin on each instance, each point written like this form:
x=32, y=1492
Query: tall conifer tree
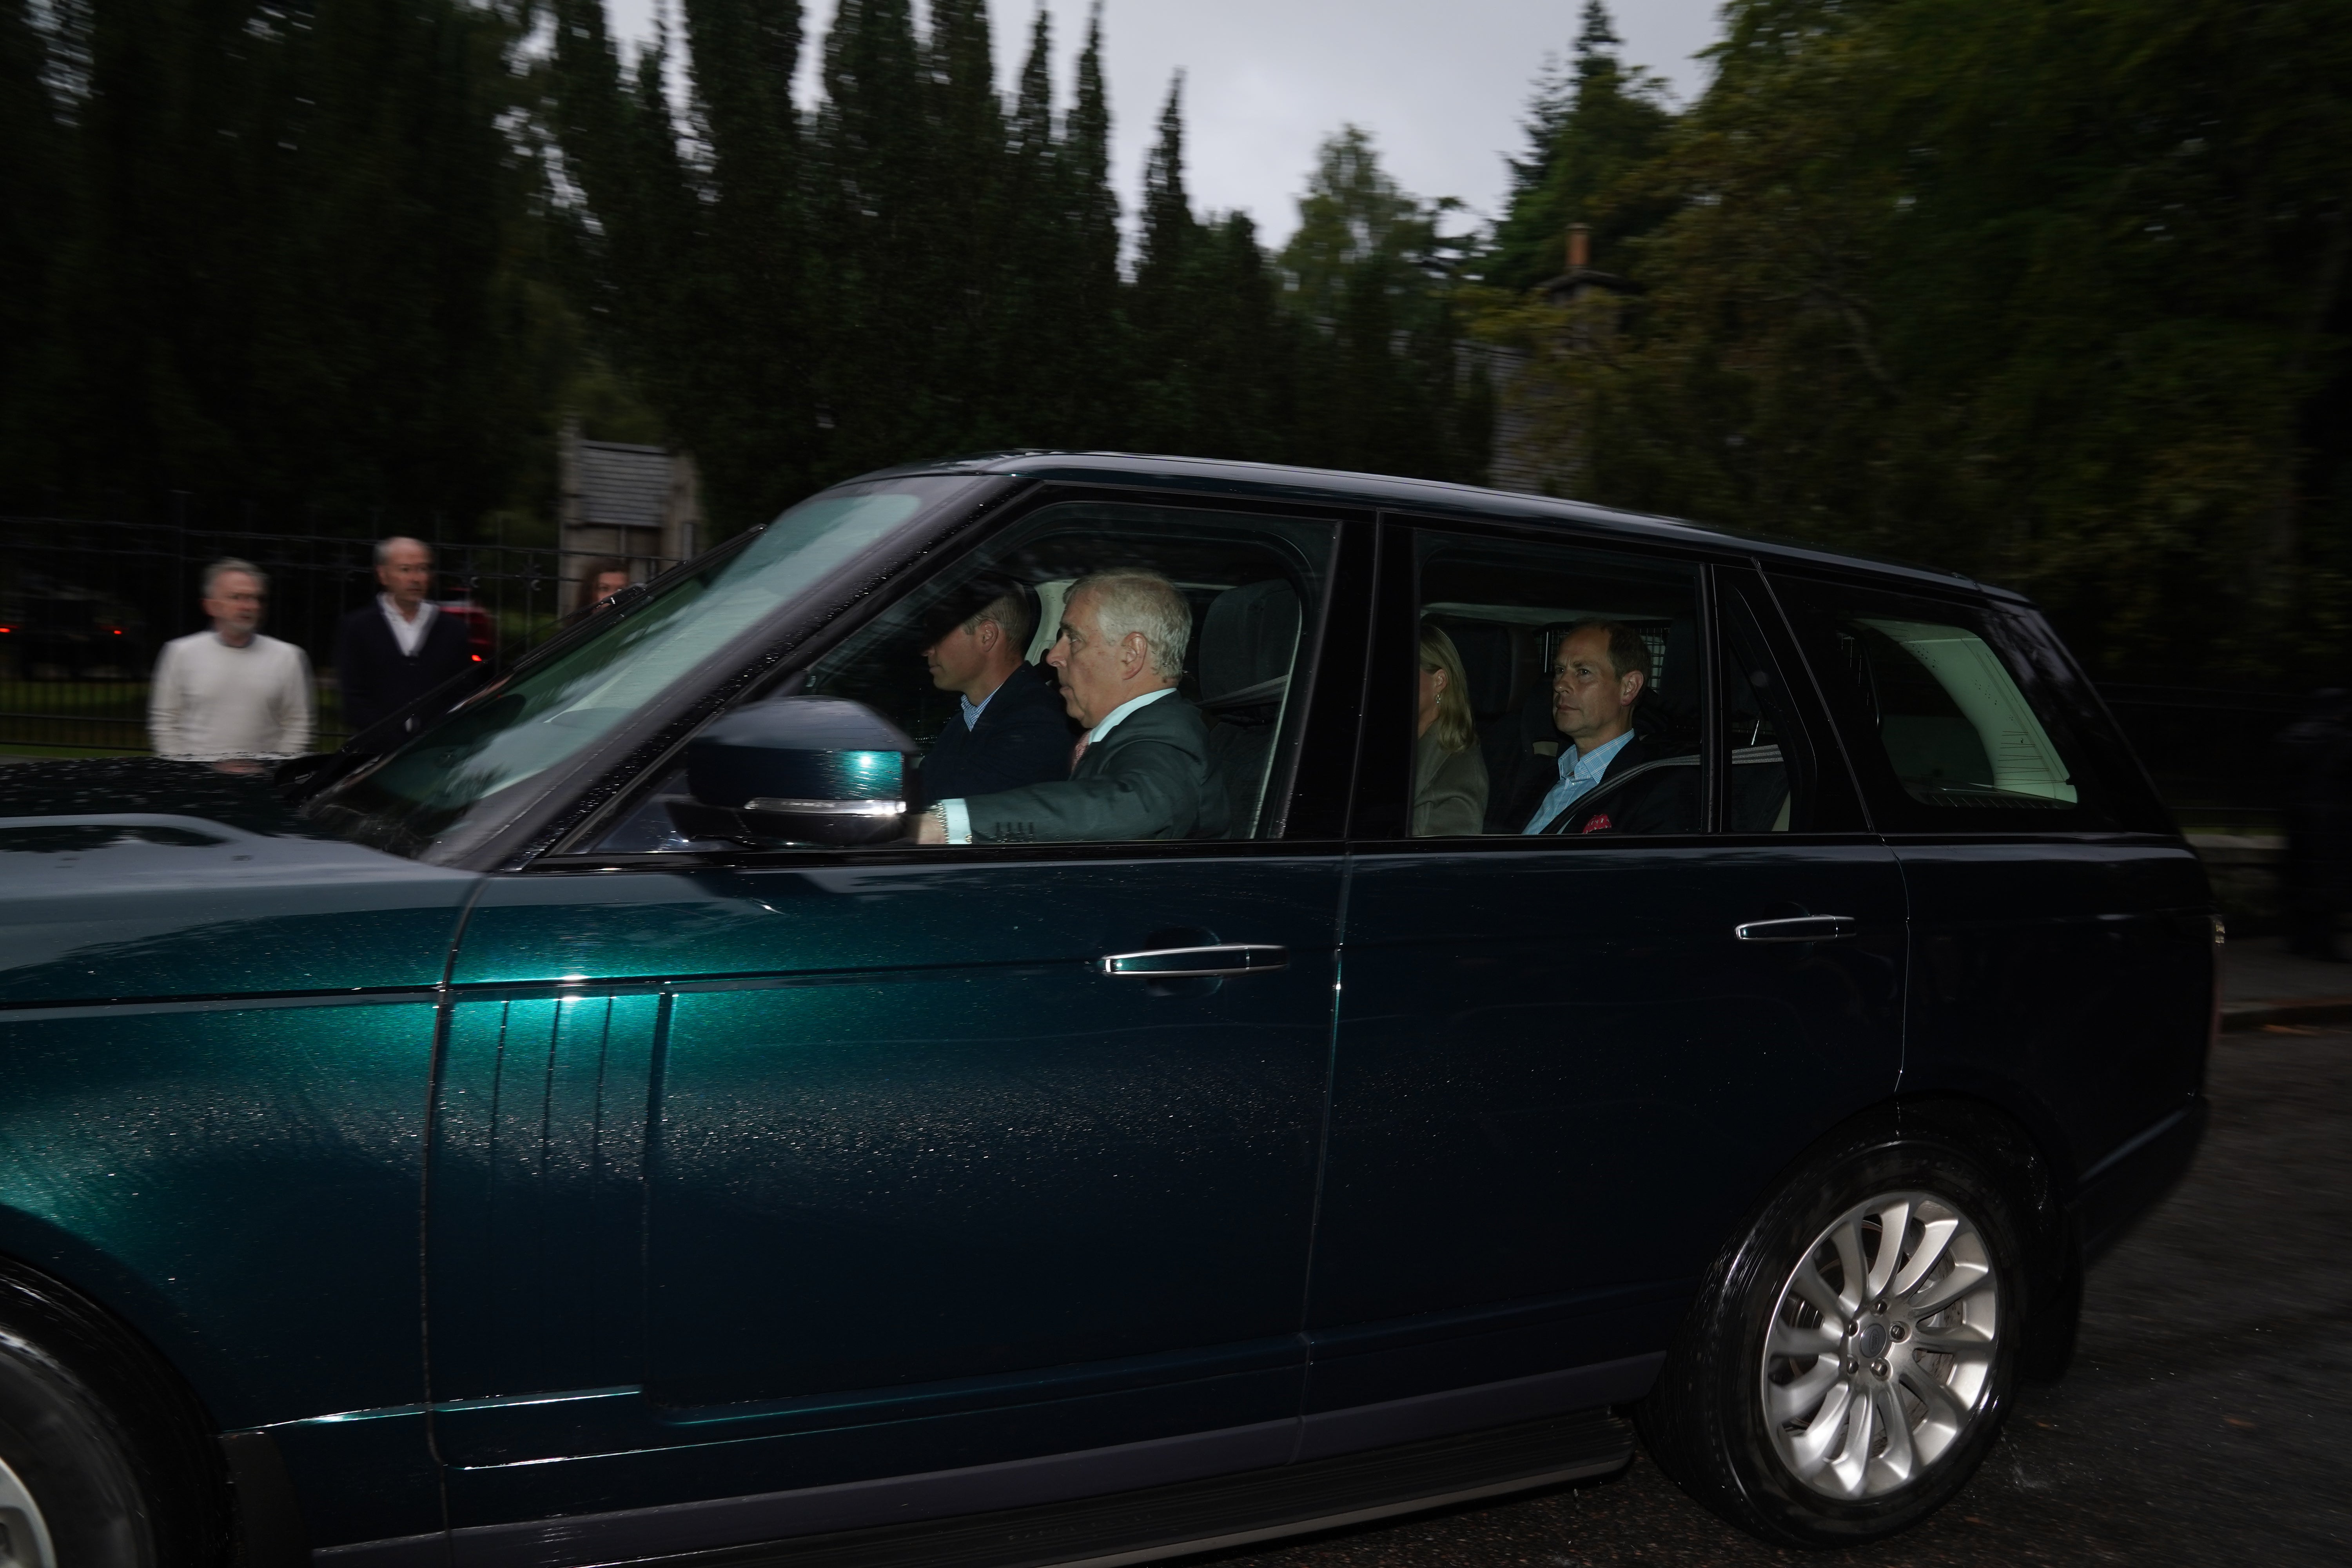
x=878, y=390
x=755, y=427
x=1097, y=377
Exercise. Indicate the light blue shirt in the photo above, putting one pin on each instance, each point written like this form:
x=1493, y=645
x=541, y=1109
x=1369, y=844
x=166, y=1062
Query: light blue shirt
x=972, y=711
x=1579, y=772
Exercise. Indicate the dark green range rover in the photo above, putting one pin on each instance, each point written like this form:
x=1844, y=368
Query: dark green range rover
x=1568, y=971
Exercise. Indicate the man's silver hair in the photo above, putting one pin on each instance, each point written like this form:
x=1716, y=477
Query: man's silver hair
x=1142, y=602
x=383, y=546
x=231, y=564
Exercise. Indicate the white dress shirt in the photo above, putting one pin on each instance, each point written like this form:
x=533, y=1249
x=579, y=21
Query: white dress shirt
x=408, y=634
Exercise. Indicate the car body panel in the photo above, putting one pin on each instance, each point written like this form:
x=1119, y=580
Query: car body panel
x=1046, y=1207
x=2070, y=984
x=1560, y=1079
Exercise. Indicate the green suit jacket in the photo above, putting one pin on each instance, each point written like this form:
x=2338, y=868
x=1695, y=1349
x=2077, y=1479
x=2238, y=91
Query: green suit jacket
x=1148, y=778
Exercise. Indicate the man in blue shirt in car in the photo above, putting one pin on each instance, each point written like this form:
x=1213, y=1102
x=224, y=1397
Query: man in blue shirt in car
x=1009, y=728
x=1140, y=768
x=1598, y=676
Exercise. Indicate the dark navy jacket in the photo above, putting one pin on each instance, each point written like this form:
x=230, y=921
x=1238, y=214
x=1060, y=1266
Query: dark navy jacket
x=377, y=678
x=1023, y=737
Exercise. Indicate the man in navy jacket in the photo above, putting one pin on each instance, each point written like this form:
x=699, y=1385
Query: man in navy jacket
x=397, y=646
x=1010, y=728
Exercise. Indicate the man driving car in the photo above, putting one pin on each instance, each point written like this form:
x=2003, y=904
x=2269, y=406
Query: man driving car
x=1140, y=769
x=1010, y=728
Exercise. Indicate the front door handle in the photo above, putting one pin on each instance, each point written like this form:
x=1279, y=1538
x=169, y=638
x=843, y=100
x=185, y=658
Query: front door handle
x=1799, y=928
x=1185, y=963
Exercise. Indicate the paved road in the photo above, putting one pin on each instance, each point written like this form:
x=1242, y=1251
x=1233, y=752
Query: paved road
x=2208, y=1418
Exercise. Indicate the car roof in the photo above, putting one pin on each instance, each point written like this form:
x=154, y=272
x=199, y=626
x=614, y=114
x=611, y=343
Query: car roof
x=1277, y=481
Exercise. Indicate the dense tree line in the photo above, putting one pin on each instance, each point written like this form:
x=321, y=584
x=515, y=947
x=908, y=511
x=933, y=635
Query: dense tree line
x=2052, y=292
x=2049, y=290
x=263, y=251
x=920, y=266
x=337, y=263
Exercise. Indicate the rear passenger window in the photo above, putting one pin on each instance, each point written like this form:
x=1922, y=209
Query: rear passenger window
x=1558, y=693
x=1943, y=733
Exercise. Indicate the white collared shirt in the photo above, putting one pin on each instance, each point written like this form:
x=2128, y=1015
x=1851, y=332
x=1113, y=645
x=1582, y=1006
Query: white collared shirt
x=959, y=816
x=408, y=634
x=1124, y=709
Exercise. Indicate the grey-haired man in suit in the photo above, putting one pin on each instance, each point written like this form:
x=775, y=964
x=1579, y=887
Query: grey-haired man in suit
x=1140, y=770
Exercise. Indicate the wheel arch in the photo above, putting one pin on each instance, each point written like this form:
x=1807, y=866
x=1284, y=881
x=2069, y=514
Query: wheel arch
x=142, y=1392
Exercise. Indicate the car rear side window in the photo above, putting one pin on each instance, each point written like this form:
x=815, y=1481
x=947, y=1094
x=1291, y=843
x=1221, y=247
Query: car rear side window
x=1945, y=735
x=1558, y=692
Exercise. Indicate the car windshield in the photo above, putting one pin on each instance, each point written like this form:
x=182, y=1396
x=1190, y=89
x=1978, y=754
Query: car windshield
x=472, y=771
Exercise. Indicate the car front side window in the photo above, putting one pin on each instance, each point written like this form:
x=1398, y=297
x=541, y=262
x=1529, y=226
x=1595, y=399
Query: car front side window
x=1103, y=672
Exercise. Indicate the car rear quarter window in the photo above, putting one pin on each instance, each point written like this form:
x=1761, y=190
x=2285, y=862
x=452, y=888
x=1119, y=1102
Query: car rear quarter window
x=1949, y=725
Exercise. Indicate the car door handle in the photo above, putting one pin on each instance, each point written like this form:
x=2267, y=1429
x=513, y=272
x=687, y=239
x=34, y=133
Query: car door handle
x=1799, y=928
x=1184, y=962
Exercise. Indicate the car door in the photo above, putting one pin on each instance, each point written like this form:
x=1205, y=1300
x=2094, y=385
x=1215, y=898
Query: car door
x=2061, y=935
x=766, y=1173
x=1566, y=1063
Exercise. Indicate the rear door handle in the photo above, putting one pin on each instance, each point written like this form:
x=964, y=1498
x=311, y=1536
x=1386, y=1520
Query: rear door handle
x=1184, y=962
x=1799, y=928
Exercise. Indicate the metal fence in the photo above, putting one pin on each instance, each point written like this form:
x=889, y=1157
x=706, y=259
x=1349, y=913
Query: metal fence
x=85, y=606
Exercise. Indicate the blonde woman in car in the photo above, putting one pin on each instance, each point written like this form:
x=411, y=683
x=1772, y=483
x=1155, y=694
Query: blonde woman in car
x=1449, y=776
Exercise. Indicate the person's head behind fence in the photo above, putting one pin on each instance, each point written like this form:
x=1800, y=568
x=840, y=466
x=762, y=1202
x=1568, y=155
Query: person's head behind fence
x=231, y=564
x=601, y=578
x=404, y=567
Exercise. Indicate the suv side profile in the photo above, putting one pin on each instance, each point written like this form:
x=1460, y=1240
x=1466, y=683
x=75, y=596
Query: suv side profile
x=598, y=1125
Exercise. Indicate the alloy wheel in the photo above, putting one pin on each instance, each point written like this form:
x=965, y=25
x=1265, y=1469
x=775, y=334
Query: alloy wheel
x=1880, y=1351
x=24, y=1535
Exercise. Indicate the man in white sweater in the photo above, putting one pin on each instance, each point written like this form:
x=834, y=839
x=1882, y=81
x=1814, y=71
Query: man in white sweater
x=231, y=696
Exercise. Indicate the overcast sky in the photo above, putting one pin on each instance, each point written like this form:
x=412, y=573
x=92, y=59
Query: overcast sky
x=1440, y=84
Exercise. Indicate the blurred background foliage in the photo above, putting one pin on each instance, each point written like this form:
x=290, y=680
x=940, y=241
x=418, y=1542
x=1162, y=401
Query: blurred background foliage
x=2051, y=291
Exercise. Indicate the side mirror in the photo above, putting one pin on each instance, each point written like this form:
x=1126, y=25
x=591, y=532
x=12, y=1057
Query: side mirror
x=800, y=770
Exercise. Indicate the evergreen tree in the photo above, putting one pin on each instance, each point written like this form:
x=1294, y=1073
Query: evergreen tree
x=875, y=361
x=2052, y=294
x=962, y=228
x=1096, y=412
x=32, y=202
x=1590, y=131
x=281, y=264
x=751, y=418
x=1165, y=299
x=1370, y=279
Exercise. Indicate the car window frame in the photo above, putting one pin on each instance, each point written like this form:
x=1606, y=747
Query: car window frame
x=2099, y=811
x=1383, y=815
x=1327, y=725
x=1841, y=791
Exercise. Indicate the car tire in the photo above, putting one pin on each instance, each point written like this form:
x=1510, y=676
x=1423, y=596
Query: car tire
x=99, y=1467
x=1812, y=1338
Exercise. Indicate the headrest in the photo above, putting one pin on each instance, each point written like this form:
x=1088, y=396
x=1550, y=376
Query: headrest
x=1486, y=661
x=1248, y=640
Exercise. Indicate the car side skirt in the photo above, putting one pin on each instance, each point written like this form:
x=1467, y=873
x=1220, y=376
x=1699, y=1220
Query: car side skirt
x=1132, y=1503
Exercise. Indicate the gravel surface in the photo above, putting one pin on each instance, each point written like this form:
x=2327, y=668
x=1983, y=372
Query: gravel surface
x=2206, y=1420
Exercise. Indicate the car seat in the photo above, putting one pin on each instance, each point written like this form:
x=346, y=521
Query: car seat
x=1249, y=644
